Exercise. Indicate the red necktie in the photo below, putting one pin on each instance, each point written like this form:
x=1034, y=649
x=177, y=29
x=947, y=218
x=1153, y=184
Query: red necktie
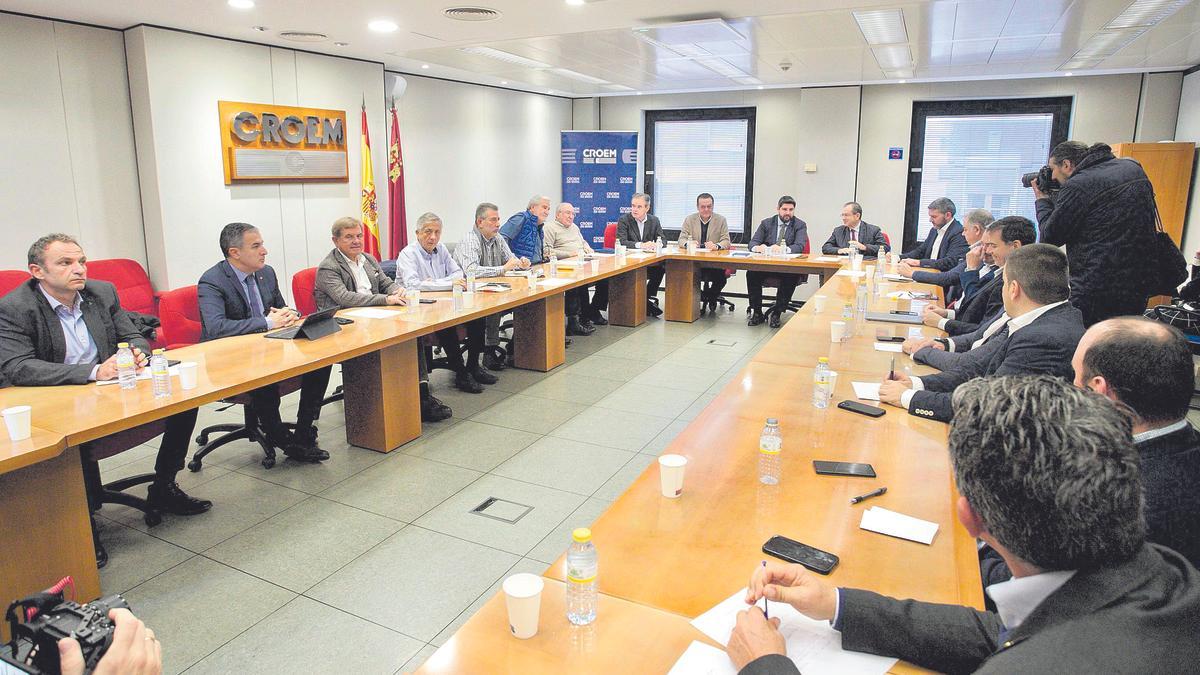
x=854, y=234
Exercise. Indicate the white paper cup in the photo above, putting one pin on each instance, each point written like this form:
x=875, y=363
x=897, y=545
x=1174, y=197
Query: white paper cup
x=832, y=382
x=691, y=247
x=189, y=374
x=19, y=421
x=523, y=595
x=856, y=263
x=468, y=299
x=819, y=303
x=837, y=331
x=594, y=264
x=670, y=474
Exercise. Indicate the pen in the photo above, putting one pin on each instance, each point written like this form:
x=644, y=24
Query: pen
x=892, y=371
x=872, y=493
x=766, y=615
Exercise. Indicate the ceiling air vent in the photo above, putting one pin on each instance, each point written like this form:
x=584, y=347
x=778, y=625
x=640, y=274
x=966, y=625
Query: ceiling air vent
x=472, y=14
x=303, y=36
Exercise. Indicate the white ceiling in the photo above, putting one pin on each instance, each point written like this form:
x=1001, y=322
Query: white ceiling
x=622, y=43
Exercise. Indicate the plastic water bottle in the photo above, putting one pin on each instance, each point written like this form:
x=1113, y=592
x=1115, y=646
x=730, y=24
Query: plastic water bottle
x=458, y=297
x=160, y=374
x=126, y=366
x=553, y=265
x=861, y=299
x=471, y=279
x=581, y=578
x=821, y=384
x=878, y=275
x=770, y=444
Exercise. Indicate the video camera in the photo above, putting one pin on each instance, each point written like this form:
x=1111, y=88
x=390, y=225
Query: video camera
x=1044, y=178
x=38, y=622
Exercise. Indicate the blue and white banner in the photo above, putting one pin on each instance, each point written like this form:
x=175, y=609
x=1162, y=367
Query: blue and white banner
x=598, y=173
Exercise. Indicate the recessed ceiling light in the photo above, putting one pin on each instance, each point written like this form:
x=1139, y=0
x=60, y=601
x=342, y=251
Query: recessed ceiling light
x=1146, y=13
x=341, y=44
x=503, y=81
x=424, y=66
x=1067, y=74
x=903, y=81
x=549, y=91
x=261, y=29
x=639, y=93
x=567, y=72
x=505, y=57
x=241, y=4
x=882, y=26
x=382, y=25
x=760, y=86
x=575, y=3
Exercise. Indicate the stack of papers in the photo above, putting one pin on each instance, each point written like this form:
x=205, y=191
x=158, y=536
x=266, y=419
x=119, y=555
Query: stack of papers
x=573, y=262
x=850, y=273
x=896, y=277
x=866, y=391
x=814, y=646
x=887, y=522
x=372, y=313
x=551, y=283
x=493, y=288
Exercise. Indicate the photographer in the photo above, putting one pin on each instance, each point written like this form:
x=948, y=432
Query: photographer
x=1105, y=216
x=134, y=650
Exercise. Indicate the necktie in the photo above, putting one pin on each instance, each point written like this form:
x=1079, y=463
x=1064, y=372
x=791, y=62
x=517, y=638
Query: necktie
x=854, y=234
x=256, y=307
x=781, y=238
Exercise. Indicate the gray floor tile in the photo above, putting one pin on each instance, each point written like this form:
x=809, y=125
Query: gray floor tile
x=239, y=503
x=693, y=411
x=133, y=556
x=724, y=380
x=556, y=543
x=402, y=488
x=526, y=413
x=731, y=343
x=620, y=369
x=564, y=464
x=515, y=380
x=345, y=460
x=472, y=445
x=304, y=544
x=453, y=516
x=524, y=565
x=464, y=405
x=614, y=487
x=704, y=358
x=187, y=480
x=659, y=443
x=416, y=661
x=648, y=399
x=305, y=636
x=197, y=606
x=108, y=464
x=573, y=388
x=645, y=350
x=615, y=429
x=685, y=377
x=416, y=582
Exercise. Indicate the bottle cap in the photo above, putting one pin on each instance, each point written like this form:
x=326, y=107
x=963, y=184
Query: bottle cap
x=581, y=535
x=122, y=345
x=158, y=351
x=772, y=421
x=823, y=359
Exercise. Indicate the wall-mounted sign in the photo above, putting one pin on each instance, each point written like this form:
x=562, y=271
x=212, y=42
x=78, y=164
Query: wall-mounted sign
x=264, y=142
x=895, y=153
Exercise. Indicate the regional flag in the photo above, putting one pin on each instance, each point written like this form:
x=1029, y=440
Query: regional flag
x=370, y=214
x=397, y=223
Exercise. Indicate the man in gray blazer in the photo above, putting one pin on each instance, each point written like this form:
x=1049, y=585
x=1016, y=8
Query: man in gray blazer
x=351, y=277
x=854, y=233
x=1048, y=477
x=710, y=231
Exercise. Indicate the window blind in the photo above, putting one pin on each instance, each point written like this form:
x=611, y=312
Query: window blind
x=691, y=157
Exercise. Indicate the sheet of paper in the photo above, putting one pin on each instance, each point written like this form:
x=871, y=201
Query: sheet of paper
x=551, y=283
x=900, y=295
x=828, y=258
x=371, y=313
x=866, y=391
x=895, y=277
x=572, y=263
x=702, y=659
x=493, y=288
x=144, y=375
x=889, y=347
x=638, y=254
x=883, y=521
x=814, y=646
x=597, y=254
x=850, y=273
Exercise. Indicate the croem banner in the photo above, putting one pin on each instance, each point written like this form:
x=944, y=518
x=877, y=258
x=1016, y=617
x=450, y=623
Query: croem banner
x=598, y=172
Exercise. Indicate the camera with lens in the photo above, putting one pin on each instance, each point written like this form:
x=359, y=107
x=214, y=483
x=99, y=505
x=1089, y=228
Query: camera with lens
x=1044, y=178
x=38, y=622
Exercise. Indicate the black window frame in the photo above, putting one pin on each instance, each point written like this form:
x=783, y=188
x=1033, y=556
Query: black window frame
x=651, y=117
x=1059, y=106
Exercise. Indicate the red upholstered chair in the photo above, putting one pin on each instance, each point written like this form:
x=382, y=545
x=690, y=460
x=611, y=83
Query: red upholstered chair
x=10, y=279
x=179, y=311
x=887, y=239
x=304, y=283
x=610, y=236
x=134, y=289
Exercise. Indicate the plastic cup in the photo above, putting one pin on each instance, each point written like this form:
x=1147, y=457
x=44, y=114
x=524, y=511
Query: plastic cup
x=413, y=299
x=837, y=331
x=189, y=374
x=523, y=595
x=856, y=263
x=819, y=303
x=594, y=264
x=832, y=383
x=468, y=299
x=691, y=247
x=670, y=474
x=19, y=420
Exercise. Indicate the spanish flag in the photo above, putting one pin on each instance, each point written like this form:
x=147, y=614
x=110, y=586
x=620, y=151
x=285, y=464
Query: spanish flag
x=370, y=213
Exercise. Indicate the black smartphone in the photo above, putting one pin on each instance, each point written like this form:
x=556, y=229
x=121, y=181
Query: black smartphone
x=802, y=554
x=843, y=469
x=343, y=321
x=862, y=409
x=890, y=338
x=427, y=301
x=900, y=311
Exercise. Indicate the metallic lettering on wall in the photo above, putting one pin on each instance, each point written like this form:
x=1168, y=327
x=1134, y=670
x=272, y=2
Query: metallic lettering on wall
x=261, y=142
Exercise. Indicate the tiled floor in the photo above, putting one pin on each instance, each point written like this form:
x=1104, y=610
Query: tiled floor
x=368, y=562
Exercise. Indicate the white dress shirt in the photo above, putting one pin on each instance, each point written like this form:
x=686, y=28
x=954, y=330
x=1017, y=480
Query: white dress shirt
x=1018, y=597
x=936, y=251
x=362, y=283
x=1161, y=431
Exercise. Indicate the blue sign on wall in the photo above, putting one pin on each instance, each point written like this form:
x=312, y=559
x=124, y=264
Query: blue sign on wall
x=598, y=173
x=895, y=153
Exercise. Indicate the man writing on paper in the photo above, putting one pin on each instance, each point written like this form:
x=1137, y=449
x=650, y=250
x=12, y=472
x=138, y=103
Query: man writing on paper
x=1048, y=476
x=710, y=231
x=350, y=277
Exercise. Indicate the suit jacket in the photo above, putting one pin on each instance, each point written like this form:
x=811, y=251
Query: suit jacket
x=335, y=285
x=1043, y=347
x=950, y=281
x=871, y=237
x=718, y=231
x=963, y=345
x=224, y=308
x=33, y=346
x=972, y=280
x=954, y=247
x=973, y=311
x=1170, y=471
x=795, y=235
x=627, y=228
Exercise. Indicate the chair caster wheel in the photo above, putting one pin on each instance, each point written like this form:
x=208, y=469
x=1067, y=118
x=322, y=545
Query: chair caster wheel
x=152, y=518
x=268, y=462
x=202, y=439
x=194, y=465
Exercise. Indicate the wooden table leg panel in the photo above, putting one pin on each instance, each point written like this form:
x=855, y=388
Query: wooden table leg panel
x=539, y=333
x=683, y=291
x=383, y=398
x=627, y=298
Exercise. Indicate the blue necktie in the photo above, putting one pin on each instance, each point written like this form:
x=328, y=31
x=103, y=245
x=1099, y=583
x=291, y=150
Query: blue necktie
x=256, y=308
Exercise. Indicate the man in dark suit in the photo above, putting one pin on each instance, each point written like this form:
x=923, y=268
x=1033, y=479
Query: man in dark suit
x=945, y=245
x=951, y=280
x=60, y=328
x=639, y=229
x=1040, y=336
x=240, y=295
x=781, y=233
x=351, y=277
x=854, y=233
x=1061, y=502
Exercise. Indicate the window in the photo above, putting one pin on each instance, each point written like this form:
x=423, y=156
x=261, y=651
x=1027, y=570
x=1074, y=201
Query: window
x=694, y=151
x=974, y=152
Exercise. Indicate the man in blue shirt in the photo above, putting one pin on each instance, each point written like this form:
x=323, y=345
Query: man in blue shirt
x=524, y=230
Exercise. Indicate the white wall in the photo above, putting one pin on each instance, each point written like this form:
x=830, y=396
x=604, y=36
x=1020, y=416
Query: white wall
x=1188, y=129
x=66, y=158
x=176, y=80
x=464, y=144
x=1158, y=107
